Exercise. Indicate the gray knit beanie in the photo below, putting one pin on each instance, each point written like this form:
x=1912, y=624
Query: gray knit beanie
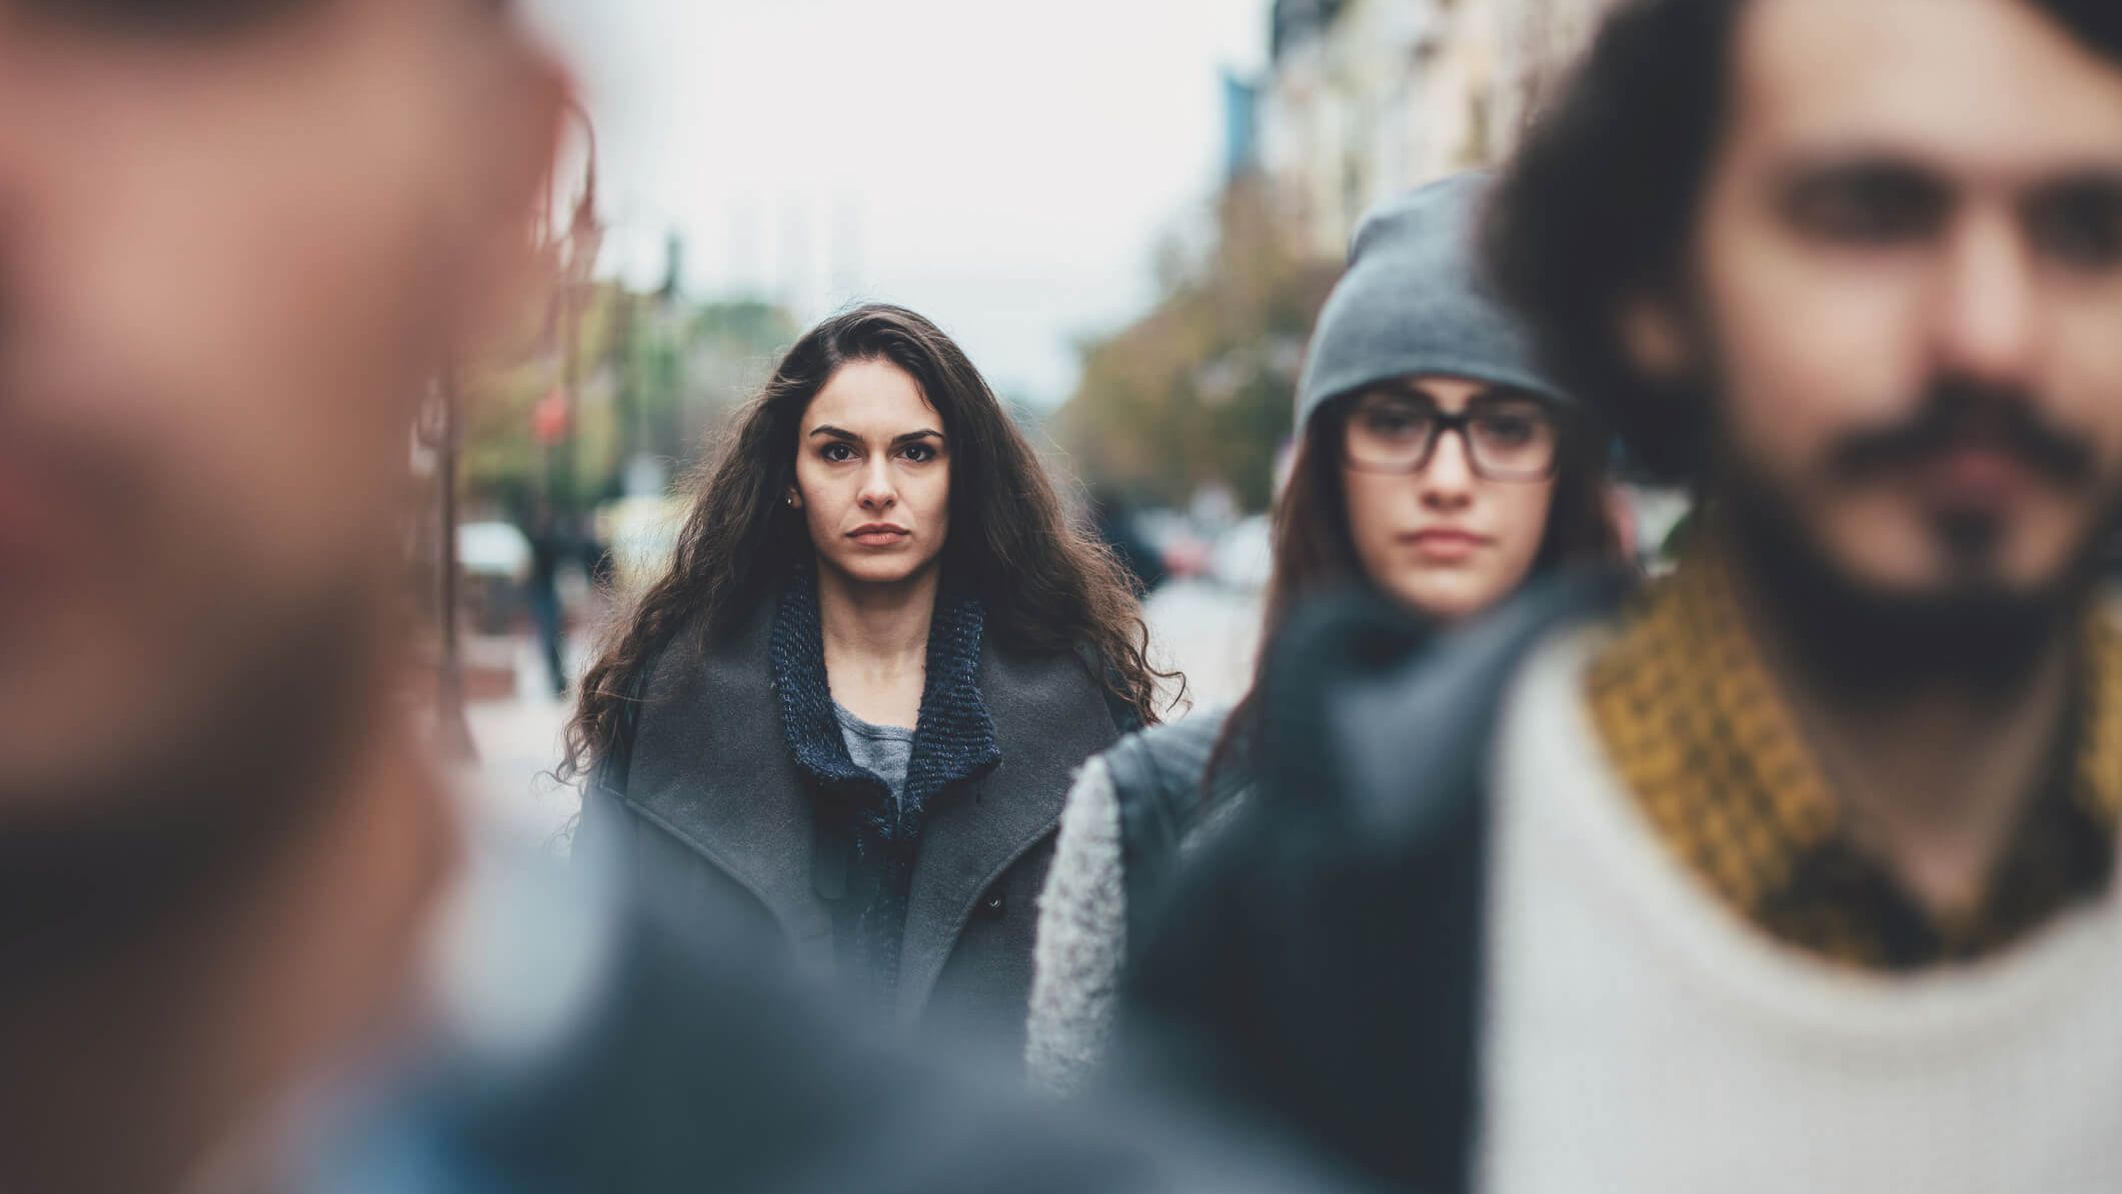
x=1413, y=302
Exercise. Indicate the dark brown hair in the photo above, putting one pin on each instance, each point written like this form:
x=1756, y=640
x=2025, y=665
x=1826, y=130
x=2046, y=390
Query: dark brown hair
x=1598, y=206
x=1049, y=587
x=1315, y=552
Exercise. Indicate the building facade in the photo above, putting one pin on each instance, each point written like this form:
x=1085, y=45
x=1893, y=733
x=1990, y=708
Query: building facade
x=1364, y=99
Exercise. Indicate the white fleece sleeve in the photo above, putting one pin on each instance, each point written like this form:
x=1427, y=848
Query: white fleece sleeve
x=1081, y=938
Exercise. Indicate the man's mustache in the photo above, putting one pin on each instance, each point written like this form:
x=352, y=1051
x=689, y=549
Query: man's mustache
x=1962, y=414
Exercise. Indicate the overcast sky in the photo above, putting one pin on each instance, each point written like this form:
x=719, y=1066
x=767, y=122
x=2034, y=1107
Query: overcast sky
x=1006, y=167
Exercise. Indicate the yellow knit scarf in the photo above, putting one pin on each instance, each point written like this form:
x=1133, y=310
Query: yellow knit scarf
x=1701, y=735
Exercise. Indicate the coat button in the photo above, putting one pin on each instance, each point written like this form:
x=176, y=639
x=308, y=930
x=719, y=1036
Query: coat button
x=994, y=904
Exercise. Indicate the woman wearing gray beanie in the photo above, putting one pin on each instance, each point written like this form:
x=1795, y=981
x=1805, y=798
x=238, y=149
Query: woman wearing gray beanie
x=1435, y=466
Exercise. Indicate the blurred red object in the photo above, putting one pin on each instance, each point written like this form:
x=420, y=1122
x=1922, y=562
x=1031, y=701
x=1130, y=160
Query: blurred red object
x=1186, y=555
x=549, y=418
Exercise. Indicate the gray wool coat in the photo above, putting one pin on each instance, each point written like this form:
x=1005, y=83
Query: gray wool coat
x=715, y=809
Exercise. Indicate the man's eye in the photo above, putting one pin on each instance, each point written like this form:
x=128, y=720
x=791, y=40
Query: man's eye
x=164, y=18
x=1866, y=207
x=2079, y=226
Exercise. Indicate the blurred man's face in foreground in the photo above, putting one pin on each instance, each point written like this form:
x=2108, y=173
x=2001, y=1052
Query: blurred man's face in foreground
x=1909, y=267
x=236, y=241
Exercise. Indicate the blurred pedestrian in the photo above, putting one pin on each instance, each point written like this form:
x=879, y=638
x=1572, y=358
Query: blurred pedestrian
x=1796, y=872
x=856, y=698
x=249, y=940
x=1437, y=467
x=549, y=547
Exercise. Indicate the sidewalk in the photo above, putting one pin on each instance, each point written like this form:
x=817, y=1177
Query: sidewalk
x=1209, y=632
x=518, y=742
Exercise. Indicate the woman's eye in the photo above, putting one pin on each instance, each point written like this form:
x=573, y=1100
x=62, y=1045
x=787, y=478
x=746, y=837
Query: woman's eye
x=837, y=453
x=1389, y=422
x=1509, y=429
x=920, y=453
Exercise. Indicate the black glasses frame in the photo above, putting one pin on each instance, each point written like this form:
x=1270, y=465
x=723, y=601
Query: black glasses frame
x=1459, y=423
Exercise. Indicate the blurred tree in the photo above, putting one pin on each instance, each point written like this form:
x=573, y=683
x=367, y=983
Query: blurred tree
x=729, y=350
x=1200, y=389
x=658, y=372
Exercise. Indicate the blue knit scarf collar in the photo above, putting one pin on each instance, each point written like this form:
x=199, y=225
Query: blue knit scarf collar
x=954, y=741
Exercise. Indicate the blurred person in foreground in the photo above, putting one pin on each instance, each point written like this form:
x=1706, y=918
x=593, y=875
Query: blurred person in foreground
x=1797, y=871
x=238, y=242
x=854, y=701
x=1436, y=468
x=248, y=940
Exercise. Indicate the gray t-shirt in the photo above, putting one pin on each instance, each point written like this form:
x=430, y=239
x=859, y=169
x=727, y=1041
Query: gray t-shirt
x=883, y=751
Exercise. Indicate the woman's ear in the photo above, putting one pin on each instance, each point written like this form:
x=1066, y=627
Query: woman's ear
x=792, y=499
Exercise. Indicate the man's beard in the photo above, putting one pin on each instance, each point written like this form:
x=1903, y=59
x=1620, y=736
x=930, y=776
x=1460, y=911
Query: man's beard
x=1972, y=631
x=1867, y=643
x=195, y=808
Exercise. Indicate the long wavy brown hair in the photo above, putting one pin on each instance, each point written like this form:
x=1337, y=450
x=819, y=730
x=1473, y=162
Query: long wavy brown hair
x=1048, y=585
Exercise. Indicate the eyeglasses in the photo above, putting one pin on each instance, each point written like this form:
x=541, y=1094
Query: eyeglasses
x=1507, y=438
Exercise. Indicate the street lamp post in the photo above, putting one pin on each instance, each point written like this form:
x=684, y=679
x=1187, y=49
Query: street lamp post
x=453, y=732
x=440, y=432
x=584, y=236
x=435, y=436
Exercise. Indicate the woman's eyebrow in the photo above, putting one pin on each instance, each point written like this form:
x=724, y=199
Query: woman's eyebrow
x=1402, y=390
x=1511, y=397
x=842, y=433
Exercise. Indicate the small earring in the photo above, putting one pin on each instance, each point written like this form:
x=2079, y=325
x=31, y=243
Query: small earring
x=790, y=500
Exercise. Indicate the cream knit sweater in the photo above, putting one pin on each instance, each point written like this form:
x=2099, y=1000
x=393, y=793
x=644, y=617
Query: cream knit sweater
x=1641, y=1038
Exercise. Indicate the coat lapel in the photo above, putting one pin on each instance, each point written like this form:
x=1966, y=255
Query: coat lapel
x=712, y=766
x=1048, y=717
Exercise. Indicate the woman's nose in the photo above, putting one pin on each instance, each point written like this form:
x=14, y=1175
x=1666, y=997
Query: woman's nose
x=878, y=492
x=1448, y=478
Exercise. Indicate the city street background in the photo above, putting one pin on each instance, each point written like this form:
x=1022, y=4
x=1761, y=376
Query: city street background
x=1130, y=226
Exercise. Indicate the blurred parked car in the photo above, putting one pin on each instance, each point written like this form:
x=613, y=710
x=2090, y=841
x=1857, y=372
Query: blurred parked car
x=642, y=534
x=1182, y=548
x=1244, y=556
x=494, y=561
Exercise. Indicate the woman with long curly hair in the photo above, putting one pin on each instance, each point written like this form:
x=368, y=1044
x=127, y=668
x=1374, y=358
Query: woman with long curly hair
x=853, y=703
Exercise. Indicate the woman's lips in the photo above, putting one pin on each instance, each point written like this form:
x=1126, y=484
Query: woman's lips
x=879, y=535
x=1445, y=546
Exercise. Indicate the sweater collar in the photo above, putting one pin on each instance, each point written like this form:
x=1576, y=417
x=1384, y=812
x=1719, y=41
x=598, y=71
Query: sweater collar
x=1715, y=755
x=954, y=736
